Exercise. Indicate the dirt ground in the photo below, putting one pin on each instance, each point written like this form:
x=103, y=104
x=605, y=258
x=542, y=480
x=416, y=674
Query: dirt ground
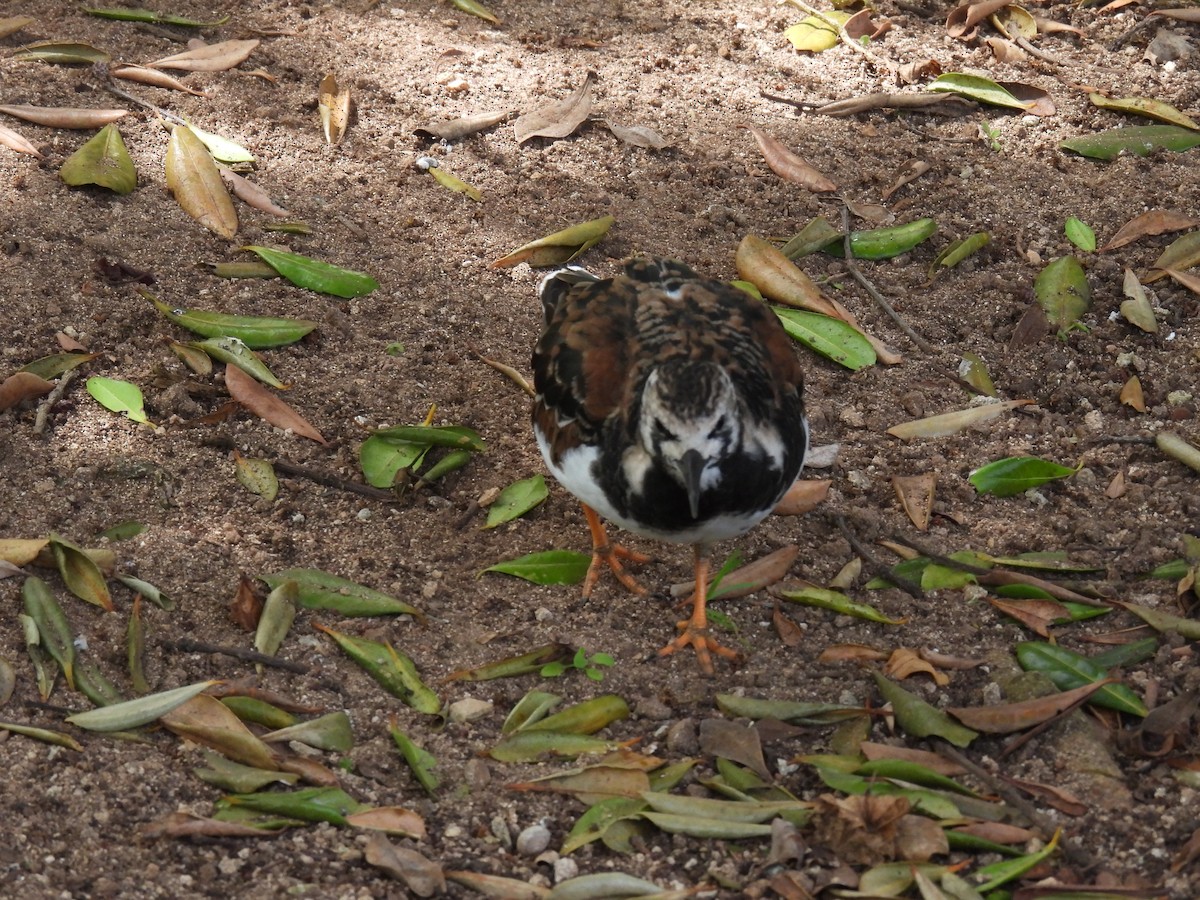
x=70, y=822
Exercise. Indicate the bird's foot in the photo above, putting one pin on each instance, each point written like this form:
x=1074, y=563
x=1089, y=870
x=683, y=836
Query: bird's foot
x=705, y=644
x=612, y=555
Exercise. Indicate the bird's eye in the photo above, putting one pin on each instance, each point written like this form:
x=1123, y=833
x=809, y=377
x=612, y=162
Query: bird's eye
x=661, y=433
x=719, y=428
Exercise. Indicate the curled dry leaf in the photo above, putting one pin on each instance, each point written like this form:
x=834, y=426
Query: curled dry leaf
x=193, y=177
x=65, y=116
x=14, y=141
x=420, y=875
x=964, y=20
x=1131, y=394
x=260, y=401
x=22, y=386
x=182, y=824
x=904, y=663
x=251, y=194
x=208, y=58
x=1004, y=718
x=456, y=129
x=152, y=77
x=333, y=102
x=762, y=264
x=910, y=172
x=855, y=653
x=558, y=119
x=1137, y=309
x=747, y=579
x=1183, y=279
x=867, y=102
x=637, y=135
x=787, y=165
x=949, y=423
x=918, y=70
x=13, y=24
x=915, y=493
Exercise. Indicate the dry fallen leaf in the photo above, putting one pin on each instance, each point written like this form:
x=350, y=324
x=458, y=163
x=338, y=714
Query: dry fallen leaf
x=252, y=195
x=260, y=401
x=791, y=634
x=420, y=875
x=855, y=653
x=737, y=743
x=949, y=423
x=787, y=165
x=1036, y=615
x=65, y=116
x=911, y=171
x=904, y=663
x=1131, y=394
x=182, y=824
x=456, y=129
x=246, y=606
x=22, y=386
x=863, y=829
x=802, y=497
x=14, y=141
x=1116, y=488
x=209, y=57
x=962, y=21
x=193, y=177
x=1005, y=718
x=915, y=493
x=558, y=119
x=152, y=77
x=333, y=102
x=637, y=135
x=1156, y=221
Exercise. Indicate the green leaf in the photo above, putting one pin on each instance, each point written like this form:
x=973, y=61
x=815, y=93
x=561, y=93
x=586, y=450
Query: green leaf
x=1063, y=292
x=315, y=275
x=80, y=573
x=323, y=590
x=150, y=17
x=1080, y=234
x=455, y=436
x=257, y=476
x=134, y=713
x=50, y=367
x=62, y=52
x=976, y=87
x=420, y=760
x=814, y=34
x=1140, y=140
x=547, y=567
x=921, y=719
x=382, y=459
x=234, y=352
x=50, y=625
x=560, y=247
x=516, y=500
x=829, y=337
x=321, y=804
x=838, y=603
x=256, y=332
x=476, y=9
x=1006, y=870
x=395, y=672
x=123, y=531
x=103, y=160
x=1017, y=474
x=1144, y=106
x=118, y=396
x=1069, y=670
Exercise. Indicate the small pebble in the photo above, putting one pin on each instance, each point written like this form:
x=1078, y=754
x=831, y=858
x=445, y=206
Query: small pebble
x=565, y=869
x=469, y=709
x=533, y=840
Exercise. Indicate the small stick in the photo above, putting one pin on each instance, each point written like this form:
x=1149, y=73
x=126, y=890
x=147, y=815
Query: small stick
x=190, y=646
x=366, y=490
x=879, y=299
x=874, y=566
x=39, y=422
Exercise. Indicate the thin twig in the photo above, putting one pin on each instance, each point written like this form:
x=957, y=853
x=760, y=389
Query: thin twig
x=873, y=564
x=879, y=299
x=366, y=490
x=190, y=646
x=39, y=422
x=799, y=104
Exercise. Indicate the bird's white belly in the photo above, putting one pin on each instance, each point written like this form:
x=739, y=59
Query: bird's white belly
x=574, y=472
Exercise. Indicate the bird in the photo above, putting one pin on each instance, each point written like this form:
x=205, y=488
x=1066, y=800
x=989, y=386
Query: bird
x=670, y=404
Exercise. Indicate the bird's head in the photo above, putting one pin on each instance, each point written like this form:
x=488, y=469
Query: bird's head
x=690, y=421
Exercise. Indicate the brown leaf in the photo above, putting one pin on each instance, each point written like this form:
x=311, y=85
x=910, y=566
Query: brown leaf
x=802, y=497
x=962, y=21
x=1041, y=103
x=999, y=832
x=1036, y=615
x=737, y=743
x=207, y=721
x=252, y=195
x=591, y=784
x=1188, y=853
x=246, y=606
x=915, y=493
x=152, y=77
x=787, y=165
x=920, y=839
x=420, y=875
x=911, y=171
x=861, y=25
x=68, y=343
x=856, y=653
x=392, y=819
x=65, y=116
x=182, y=824
x=946, y=661
x=309, y=770
x=208, y=58
x=1155, y=221
x=1032, y=327
x=1060, y=799
x=21, y=386
x=778, y=278
x=789, y=632
x=1131, y=394
x=1191, y=282
x=14, y=141
x=333, y=103
x=912, y=72
x=497, y=887
x=1005, y=718
x=260, y=401
x=465, y=126
x=1116, y=488
x=904, y=663
x=932, y=761
x=637, y=135
x=558, y=119
x=755, y=576
x=862, y=829
x=194, y=179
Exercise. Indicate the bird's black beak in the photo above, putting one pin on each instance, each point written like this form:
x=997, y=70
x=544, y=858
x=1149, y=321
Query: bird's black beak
x=692, y=467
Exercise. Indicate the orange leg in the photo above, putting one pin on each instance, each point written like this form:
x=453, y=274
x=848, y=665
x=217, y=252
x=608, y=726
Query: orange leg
x=608, y=554
x=695, y=630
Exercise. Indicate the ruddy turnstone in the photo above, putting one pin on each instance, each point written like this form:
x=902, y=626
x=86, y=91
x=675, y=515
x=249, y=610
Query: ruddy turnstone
x=670, y=404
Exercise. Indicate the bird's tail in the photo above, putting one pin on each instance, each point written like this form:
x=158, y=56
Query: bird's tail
x=558, y=282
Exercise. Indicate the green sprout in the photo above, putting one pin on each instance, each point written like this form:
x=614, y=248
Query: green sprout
x=589, y=665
